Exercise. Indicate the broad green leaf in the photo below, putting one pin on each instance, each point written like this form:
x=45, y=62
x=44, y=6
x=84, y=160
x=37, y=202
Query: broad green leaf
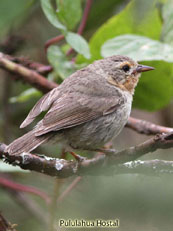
x=9, y=168
x=51, y=14
x=124, y=23
x=155, y=88
x=102, y=10
x=58, y=60
x=137, y=47
x=78, y=43
x=167, y=29
x=25, y=96
x=69, y=12
x=142, y=9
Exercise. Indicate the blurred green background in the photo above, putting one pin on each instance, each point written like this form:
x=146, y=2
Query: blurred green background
x=141, y=29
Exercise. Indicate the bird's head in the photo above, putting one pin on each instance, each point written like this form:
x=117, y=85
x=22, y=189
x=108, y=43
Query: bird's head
x=123, y=72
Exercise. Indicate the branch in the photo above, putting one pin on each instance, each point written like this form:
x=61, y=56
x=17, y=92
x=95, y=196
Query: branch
x=11, y=44
x=22, y=188
x=5, y=225
x=53, y=41
x=80, y=29
x=53, y=205
x=145, y=127
x=62, y=168
x=29, y=76
x=38, y=67
x=69, y=189
x=85, y=16
x=83, y=21
x=147, y=167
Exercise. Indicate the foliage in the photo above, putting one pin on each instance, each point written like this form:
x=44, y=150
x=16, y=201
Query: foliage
x=59, y=62
x=155, y=88
x=133, y=34
x=167, y=14
x=135, y=31
x=59, y=16
x=69, y=12
x=25, y=95
x=139, y=48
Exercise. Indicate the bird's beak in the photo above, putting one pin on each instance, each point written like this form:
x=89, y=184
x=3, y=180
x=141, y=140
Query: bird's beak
x=142, y=68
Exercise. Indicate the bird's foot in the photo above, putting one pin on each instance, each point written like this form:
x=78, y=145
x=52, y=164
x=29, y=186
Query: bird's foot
x=108, y=146
x=77, y=157
x=107, y=149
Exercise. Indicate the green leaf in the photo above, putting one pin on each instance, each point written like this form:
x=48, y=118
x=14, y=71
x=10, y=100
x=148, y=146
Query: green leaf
x=51, y=14
x=58, y=60
x=137, y=47
x=124, y=23
x=25, y=96
x=102, y=10
x=155, y=88
x=167, y=29
x=142, y=9
x=78, y=43
x=69, y=12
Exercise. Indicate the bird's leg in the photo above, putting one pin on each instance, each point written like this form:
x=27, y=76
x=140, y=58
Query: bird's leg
x=63, y=154
x=107, y=146
x=107, y=149
x=104, y=148
x=77, y=157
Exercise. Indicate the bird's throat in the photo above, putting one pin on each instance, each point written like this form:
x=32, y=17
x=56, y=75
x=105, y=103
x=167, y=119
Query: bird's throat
x=129, y=85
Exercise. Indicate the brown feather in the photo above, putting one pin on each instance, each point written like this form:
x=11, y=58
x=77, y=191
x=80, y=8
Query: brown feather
x=42, y=105
x=69, y=112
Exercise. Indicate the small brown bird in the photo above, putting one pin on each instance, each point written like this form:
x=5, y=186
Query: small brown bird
x=87, y=110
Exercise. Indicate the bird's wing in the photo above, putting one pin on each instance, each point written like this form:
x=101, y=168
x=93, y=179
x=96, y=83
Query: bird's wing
x=42, y=105
x=74, y=109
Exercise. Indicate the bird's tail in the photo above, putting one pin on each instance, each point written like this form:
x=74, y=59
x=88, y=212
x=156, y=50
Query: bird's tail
x=26, y=143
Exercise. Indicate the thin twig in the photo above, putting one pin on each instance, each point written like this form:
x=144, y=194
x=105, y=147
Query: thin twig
x=80, y=29
x=53, y=204
x=53, y=41
x=69, y=189
x=83, y=21
x=22, y=188
x=85, y=16
x=38, y=67
x=12, y=43
x=145, y=127
x=29, y=76
x=5, y=225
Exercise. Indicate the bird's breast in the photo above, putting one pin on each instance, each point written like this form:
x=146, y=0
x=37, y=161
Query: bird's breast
x=96, y=133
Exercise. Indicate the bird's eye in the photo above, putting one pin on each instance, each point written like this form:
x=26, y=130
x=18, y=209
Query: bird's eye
x=126, y=68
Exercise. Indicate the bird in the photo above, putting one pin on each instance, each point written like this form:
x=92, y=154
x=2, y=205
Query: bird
x=87, y=110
